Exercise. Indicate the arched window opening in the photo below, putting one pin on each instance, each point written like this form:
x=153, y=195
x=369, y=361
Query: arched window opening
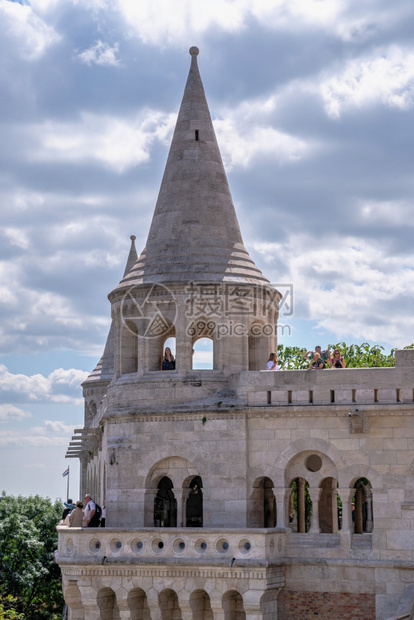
x=194, y=504
x=138, y=605
x=168, y=354
x=362, y=514
x=300, y=506
x=165, y=505
x=200, y=605
x=330, y=506
x=203, y=354
x=169, y=606
x=233, y=606
x=107, y=604
x=261, y=511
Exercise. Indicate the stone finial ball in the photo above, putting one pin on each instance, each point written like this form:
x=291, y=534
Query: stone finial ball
x=132, y=237
x=194, y=51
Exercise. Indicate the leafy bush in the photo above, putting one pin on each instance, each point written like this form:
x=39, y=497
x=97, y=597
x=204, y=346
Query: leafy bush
x=30, y=580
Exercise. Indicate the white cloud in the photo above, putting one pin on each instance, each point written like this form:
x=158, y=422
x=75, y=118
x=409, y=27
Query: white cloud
x=101, y=54
x=10, y=413
x=245, y=133
x=241, y=146
x=384, y=77
x=50, y=434
x=162, y=22
x=29, y=33
x=60, y=386
x=16, y=237
x=117, y=143
x=359, y=280
x=54, y=426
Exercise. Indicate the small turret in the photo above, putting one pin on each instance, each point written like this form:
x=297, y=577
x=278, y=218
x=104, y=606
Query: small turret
x=194, y=279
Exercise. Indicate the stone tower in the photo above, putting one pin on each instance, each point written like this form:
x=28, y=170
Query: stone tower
x=231, y=493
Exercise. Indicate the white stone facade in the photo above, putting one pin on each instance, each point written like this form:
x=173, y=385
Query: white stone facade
x=222, y=485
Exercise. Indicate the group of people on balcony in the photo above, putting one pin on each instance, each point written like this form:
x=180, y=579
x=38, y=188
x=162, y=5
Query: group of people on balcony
x=88, y=514
x=317, y=359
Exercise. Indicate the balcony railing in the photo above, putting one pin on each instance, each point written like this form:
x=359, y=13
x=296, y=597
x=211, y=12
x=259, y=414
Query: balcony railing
x=241, y=547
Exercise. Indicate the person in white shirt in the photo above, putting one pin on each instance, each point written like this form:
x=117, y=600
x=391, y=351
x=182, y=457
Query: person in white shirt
x=272, y=362
x=90, y=509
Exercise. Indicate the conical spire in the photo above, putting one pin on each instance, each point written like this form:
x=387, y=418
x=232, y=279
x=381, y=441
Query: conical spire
x=132, y=256
x=105, y=368
x=194, y=235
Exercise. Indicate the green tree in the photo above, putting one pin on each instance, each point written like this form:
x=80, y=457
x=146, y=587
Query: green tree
x=355, y=355
x=28, y=572
x=364, y=355
x=291, y=358
x=8, y=609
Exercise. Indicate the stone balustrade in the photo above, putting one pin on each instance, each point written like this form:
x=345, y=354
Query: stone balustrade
x=239, y=547
x=348, y=386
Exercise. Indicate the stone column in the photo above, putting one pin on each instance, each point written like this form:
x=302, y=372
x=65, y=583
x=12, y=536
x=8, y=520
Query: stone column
x=153, y=604
x=124, y=611
x=183, y=340
x=83, y=470
x=282, y=506
x=346, y=494
x=216, y=605
x=301, y=506
x=184, y=605
x=253, y=612
x=251, y=605
x=218, y=612
x=92, y=611
x=180, y=508
x=359, y=499
x=314, y=494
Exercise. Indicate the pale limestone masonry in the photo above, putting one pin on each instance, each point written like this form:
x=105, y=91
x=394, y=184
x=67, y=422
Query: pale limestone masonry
x=222, y=486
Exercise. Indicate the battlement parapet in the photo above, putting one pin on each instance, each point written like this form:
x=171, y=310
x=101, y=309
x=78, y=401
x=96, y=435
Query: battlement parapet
x=350, y=386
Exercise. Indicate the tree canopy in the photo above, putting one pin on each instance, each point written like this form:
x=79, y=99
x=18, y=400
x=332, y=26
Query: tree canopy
x=355, y=355
x=30, y=580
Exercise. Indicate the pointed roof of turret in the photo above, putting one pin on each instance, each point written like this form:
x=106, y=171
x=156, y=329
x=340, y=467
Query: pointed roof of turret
x=105, y=368
x=194, y=235
x=132, y=256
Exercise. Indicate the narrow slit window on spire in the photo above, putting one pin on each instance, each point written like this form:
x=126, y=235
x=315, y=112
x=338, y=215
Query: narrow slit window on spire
x=196, y=135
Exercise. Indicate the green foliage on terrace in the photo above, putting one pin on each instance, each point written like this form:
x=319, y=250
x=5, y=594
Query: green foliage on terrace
x=30, y=580
x=355, y=355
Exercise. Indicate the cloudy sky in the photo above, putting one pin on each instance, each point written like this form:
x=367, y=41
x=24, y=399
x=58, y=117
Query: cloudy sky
x=313, y=105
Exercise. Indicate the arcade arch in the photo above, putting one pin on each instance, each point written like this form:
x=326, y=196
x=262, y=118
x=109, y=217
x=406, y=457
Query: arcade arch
x=167, y=488
x=233, y=606
x=107, y=604
x=261, y=509
x=138, y=605
x=200, y=605
x=203, y=354
x=169, y=606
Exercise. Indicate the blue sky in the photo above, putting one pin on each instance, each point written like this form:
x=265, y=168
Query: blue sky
x=313, y=106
